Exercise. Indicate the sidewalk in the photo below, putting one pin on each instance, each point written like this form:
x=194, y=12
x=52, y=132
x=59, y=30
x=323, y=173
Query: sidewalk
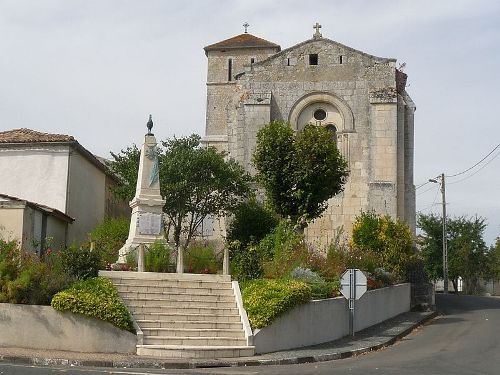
x=372, y=338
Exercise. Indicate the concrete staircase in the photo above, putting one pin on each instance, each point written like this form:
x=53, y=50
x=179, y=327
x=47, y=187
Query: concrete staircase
x=185, y=315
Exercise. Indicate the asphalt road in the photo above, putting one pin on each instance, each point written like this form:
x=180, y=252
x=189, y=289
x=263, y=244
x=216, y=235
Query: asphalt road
x=464, y=340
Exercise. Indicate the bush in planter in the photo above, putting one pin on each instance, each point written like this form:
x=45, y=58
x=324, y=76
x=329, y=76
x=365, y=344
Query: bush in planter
x=320, y=289
x=97, y=298
x=157, y=257
x=246, y=262
x=282, y=250
x=26, y=279
x=81, y=263
x=390, y=240
x=265, y=300
x=200, y=258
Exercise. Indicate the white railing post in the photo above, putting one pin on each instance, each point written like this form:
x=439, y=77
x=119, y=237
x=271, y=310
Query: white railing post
x=225, y=261
x=140, y=258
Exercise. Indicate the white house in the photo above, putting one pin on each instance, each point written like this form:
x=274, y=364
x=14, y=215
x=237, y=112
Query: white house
x=56, y=171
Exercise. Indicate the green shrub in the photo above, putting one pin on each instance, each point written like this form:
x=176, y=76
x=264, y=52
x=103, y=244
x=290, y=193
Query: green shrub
x=97, y=298
x=324, y=289
x=305, y=274
x=81, y=263
x=246, y=262
x=320, y=289
x=157, y=257
x=283, y=250
x=390, y=240
x=200, y=258
x=265, y=300
x=109, y=236
x=251, y=223
x=26, y=279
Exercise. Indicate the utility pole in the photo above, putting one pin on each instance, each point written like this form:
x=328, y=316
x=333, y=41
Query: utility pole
x=445, y=239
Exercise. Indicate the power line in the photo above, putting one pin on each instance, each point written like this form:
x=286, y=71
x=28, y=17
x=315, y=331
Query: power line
x=482, y=167
x=421, y=185
x=475, y=165
x=425, y=191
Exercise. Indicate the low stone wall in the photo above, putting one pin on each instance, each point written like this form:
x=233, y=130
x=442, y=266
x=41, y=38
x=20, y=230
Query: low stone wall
x=41, y=327
x=327, y=320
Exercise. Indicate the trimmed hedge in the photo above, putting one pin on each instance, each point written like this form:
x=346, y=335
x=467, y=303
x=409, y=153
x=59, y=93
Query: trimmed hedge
x=266, y=299
x=97, y=298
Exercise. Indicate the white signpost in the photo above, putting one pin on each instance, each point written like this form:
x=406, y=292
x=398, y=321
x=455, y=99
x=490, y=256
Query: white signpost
x=352, y=286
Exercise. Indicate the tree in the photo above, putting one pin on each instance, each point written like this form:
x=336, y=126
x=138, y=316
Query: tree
x=299, y=172
x=195, y=181
x=468, y=255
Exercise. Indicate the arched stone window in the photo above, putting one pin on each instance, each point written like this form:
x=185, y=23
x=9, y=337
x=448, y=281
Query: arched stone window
x=321, y=109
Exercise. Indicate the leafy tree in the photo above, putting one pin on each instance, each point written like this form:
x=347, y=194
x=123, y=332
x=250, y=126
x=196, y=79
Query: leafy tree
x=125, y=164
x=195, y=181
x=109, y=236
x=494, y=260
x=252, y=221
x=299, y=172
x=468, y=255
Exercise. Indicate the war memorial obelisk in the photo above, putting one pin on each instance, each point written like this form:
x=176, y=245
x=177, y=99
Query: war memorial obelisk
x=146, y=221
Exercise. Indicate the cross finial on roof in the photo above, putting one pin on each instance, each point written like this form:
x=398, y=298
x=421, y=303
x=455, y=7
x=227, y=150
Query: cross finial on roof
x=150, y=125
x=317, y=34
x=245, y=25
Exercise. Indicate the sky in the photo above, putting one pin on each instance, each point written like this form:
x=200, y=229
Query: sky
x=96, y=69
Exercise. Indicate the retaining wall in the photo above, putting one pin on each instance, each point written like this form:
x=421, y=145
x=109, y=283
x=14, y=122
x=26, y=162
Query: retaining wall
x=41, y=327
x=327, y=320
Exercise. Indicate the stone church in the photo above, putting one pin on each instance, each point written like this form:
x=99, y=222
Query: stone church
x=359, y=97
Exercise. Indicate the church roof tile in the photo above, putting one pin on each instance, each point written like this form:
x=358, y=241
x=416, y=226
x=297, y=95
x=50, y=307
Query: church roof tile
x=242, y=41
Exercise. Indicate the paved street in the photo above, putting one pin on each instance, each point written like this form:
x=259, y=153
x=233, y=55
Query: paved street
x=465, y=340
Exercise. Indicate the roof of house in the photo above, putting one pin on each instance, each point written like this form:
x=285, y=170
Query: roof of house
x=24, y=135
x=49, y=210
x=28, y=136
x=242, y=41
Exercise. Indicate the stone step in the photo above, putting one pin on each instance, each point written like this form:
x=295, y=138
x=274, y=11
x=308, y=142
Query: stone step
x=172, y=317
x=194, y=332
x=208, y=352
x=127, y=275
x=137, y=302
x=175, y=283
x=173, y=290
x=210, y=311
x=189, y=324
x=176, y=296
x=194, y=341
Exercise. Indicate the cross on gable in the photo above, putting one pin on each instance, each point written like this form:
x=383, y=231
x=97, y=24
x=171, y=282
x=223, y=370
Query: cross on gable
x=245, y=25
x=317, y=34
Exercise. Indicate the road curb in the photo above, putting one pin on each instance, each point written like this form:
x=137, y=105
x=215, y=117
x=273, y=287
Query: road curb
x=193, y=364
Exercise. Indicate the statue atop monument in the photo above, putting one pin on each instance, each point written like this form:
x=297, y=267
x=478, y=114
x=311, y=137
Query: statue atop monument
x=147, y=204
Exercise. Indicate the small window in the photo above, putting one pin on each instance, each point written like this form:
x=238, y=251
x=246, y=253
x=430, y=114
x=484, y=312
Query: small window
x=333, y=129
x=288, y=62
x=313, y=59
x=319, y=114
x=230, y=69
x=252, y=60
x=341, y=59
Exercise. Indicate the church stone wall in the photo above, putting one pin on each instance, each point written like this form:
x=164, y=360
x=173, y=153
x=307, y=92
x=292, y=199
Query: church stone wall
x=220, y=90
x=378, y=145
